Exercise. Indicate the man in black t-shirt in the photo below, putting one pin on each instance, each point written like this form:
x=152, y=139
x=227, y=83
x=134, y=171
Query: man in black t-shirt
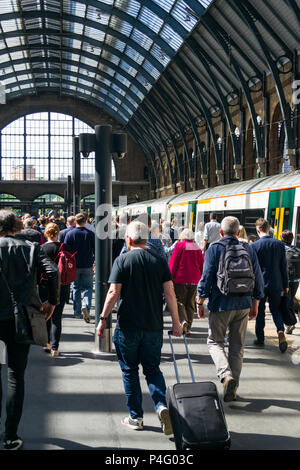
x=140, y=278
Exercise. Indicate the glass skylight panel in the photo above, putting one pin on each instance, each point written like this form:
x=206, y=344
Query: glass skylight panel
x=74, y=8
x=150, y=19
x=127, y=109
x=118, y=89
x=52, y=24
x=106, y=69
x=11, y=25
x=165, y=4
x=52, y=5
x=12, y=42
x=137, y=92
x=4, y=58
x=111, y=57
x=9, y=70
x=84, y=82
x=113, y=97
x=108, y=2
x=17, y=55
x=88, y=61
x=96, y=34
x=104, y=80
x=8, y=6
x=122, y=79
x=33, y=23
x=144, y=82
x=132, y=101
x=30, y=5
x=97, y=15
x=125, y=118
x=128, y=68
x=75, y=44
x=160, y=55
x=134, y=55
x=23, y=66
x=181, y=13
x=116, y=43
x=132, y=7
x=121, y=26
x=23, y=77
x=73, y=27
x=8, y=81
x=171, y=37
x=141, y=38
x=150, y=69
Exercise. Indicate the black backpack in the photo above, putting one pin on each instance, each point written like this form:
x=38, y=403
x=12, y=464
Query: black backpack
x=235, y=274
x=293, y=262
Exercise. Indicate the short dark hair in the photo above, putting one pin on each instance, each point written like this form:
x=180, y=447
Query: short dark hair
x=262, y=224
x=9, y=223
x=213, y=215
x=287, y=236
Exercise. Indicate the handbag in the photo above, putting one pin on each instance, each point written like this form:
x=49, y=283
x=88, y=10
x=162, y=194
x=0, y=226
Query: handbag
x=30, y=323
x=286, y=307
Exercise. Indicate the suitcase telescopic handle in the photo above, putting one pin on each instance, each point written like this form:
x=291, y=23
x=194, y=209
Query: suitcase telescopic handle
x=188, y=356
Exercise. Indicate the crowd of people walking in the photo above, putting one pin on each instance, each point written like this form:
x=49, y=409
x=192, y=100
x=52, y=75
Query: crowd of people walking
x=157, y=267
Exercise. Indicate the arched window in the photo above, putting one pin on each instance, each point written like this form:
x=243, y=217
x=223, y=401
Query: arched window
x=39, y=147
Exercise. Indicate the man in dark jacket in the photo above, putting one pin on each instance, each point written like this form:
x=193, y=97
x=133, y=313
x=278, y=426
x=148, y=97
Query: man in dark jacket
x=30, y=233
x=82, y=241
x=272, y=259
x=227, y=311
x=21, y=264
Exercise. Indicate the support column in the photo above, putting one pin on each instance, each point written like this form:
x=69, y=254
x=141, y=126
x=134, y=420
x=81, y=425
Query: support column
x=238, y=169
x=103, y=245
x=204, y=180
x=220, y=176
x=76, y=176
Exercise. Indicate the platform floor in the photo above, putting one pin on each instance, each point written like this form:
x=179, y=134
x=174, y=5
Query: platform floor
x=76, y=401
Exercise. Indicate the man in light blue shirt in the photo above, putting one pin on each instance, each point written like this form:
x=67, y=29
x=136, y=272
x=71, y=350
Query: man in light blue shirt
x=211, y=231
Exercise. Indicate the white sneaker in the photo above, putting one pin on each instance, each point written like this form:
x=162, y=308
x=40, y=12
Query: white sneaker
x=133, y=423
x=86, y=315
x=163, y=414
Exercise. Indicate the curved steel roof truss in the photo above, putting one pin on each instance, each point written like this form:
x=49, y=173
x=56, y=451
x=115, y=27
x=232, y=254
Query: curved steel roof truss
x=160, y=67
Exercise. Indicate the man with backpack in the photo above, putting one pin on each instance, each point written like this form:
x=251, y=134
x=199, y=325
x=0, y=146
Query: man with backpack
x=82, y=241
x=233, y=283
x=272, y=260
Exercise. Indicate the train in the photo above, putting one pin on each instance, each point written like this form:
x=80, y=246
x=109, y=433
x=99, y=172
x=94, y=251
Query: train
x=276, y=198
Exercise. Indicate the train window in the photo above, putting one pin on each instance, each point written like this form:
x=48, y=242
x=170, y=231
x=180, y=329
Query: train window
x=298, y=229
x=249, y=217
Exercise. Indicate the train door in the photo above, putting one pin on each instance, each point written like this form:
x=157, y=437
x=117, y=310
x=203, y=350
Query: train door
x=191, y=215
x=280, y=211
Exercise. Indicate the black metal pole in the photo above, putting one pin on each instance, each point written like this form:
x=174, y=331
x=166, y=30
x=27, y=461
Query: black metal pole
x=76, y=176
x=69, y=195
x=103, y=244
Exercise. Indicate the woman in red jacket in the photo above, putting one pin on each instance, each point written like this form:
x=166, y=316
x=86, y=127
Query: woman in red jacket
x=186, y=266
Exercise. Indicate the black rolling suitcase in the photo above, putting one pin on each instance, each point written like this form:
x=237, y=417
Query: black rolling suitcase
x=196, y=412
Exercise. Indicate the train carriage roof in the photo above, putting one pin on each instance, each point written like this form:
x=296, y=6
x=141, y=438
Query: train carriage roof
x=285, y=180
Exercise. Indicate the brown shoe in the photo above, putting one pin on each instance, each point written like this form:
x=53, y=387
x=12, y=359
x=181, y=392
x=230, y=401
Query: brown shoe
x=185, y=326
x=229, y=388
x=282, y=341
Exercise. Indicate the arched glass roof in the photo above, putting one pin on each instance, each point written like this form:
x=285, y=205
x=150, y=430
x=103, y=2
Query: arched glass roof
x=110, y=52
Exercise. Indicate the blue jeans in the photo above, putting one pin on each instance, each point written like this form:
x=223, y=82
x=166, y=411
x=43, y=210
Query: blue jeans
x=134, y=347
x=84, y=281
x=274, y=299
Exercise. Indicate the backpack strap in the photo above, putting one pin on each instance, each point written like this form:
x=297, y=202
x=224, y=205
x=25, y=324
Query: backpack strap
x=59, y=251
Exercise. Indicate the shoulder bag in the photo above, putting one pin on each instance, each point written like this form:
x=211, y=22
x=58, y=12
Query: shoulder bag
x=30, y=323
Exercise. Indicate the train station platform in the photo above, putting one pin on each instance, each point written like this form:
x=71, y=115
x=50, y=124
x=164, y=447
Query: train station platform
x=76, y=401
